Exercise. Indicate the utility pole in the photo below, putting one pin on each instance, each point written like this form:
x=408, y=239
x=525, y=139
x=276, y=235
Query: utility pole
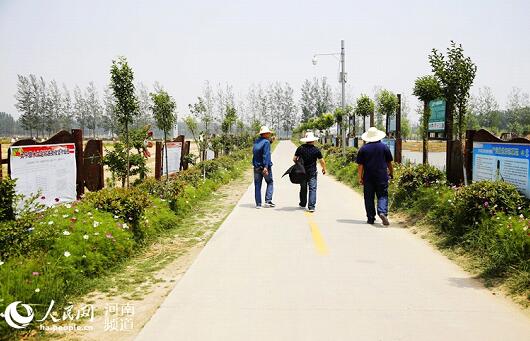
x=342, y=80
x=343, y=83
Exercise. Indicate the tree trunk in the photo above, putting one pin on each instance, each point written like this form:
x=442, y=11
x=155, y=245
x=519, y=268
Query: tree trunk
x=166, y=161
x=364, y=124
x=128, y=151
x=425, y=132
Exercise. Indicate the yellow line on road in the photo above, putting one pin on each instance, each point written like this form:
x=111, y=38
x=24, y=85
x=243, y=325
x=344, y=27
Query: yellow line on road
x=320, y=244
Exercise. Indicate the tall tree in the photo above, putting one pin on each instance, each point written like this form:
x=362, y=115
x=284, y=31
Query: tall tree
x=67, y=111
x=122, y=85
x=80, y=108
x=289, y=117
x=164, y=114
x=26, y=104
x=386, y=104
x=518, y=111
x=93, y=108
x=455, y=73
x=144, y=105
x=485, y=110
x=364, y=107
x=307, y=101
x=426, y=88
x=7, y=124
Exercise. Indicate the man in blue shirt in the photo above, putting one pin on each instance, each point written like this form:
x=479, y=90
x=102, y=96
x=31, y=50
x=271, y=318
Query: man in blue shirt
x=262, y=163
x=375, y=168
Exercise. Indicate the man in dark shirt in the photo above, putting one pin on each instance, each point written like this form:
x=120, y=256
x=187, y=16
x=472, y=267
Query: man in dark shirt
x=375, y=168
x=309, y=154
x=262, y=163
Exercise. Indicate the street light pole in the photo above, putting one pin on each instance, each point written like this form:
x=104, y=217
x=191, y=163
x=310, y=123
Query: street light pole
x=343, y=83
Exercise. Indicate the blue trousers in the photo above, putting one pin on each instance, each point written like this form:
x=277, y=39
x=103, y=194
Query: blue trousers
x=258, y=180
x=372, y=189
x=310, y=182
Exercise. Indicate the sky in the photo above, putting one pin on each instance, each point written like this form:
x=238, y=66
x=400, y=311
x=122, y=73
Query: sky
x=181, y=44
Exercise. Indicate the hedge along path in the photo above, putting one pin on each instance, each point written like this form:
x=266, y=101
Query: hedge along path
x=147, y=279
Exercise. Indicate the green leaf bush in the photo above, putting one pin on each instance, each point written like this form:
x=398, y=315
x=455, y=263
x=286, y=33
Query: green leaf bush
x=128, y=204
x=7, y=199
x=410, y=178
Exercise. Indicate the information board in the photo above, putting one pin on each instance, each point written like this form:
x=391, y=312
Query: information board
x=437, y=118
x=210, y=154
x=392, y=124
x=391, y=143
x=49, y=170
x=174, y=152
x=503, y=161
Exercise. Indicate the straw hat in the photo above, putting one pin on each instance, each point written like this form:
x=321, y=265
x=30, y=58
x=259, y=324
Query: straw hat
x=373, y=134
x=309, y=137
x=264, y=130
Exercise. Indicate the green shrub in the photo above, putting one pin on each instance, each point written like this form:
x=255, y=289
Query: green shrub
x=409, y=179
x=501, y=242
x=127, y=204
x=483, y=199
x=14, y=237
x=7, y=199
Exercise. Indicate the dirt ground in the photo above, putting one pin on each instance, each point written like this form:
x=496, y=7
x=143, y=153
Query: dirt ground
x=148, y=278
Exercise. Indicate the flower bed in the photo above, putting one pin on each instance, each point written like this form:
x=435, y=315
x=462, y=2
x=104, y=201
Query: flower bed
x=57, y=254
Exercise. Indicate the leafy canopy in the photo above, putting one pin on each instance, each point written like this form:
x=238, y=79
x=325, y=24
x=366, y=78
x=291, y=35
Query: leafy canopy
x=387, y=103
x=427, y=88
x=122, y=86
x=163, y=110
x=365, y=106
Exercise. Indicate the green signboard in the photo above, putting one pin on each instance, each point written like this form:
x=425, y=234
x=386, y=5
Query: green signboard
x=437, y=119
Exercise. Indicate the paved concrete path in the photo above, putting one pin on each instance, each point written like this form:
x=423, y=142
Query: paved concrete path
x=282, y=274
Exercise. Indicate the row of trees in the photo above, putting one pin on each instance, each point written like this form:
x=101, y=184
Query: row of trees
x=46, y=108
x=379, y=111
x=484, y=112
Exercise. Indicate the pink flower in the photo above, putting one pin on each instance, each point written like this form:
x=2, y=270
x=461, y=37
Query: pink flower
x=109, y=235
x=486, y=204
x=35, y=273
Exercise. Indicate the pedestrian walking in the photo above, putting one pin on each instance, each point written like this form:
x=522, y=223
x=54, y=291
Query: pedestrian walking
x=262, y=163
x=309, y=154
x=375, y=169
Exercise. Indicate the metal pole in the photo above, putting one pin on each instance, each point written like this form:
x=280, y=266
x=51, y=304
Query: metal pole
x=343, y=81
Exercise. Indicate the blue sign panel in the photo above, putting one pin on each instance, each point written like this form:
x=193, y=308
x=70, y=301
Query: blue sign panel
x=437, y=118
x=503, y=161
x=391, y=143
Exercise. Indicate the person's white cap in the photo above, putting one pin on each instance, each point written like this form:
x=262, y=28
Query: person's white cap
x=264, y=130
x=373, y=134
x=309, y=137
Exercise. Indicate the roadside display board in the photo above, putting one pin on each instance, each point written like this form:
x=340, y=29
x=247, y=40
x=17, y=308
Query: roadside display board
x=391, y=143
x=174, y=153
x=210, y=155
x=49, y=170
x=392, y=124
x=437, y=118
x=503, y=161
